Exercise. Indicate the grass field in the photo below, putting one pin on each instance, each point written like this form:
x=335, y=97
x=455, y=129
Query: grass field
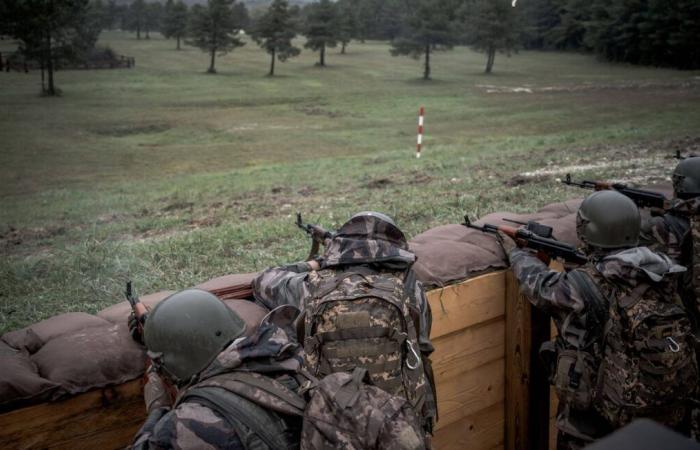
x=170, y=176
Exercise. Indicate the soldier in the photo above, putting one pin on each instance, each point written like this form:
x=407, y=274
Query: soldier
x=362, y=307
x=218, y=379
x=677, y=233
x=624, y=344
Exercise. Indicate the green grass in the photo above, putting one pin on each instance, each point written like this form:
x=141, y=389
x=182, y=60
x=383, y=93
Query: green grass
x=170, y=176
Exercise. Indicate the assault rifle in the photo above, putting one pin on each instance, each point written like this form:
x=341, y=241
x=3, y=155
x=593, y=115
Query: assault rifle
x=319, y=235
x=526, y=238
x=641, y=197
x=139, y=309
x=681, y=157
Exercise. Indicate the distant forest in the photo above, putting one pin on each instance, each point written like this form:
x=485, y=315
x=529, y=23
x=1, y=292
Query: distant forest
x=647, y=32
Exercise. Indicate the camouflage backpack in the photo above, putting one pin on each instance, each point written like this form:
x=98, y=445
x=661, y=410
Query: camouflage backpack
x=364, y=318
x=265, y=412
x=647, y=366
x=346, y=412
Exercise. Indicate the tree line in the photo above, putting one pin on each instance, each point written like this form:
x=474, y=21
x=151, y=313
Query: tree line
x=652, y=32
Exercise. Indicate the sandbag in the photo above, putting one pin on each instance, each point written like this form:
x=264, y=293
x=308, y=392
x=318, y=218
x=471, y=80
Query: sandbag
x=231, y=286
x=119, y=313
x=91, y=358
x=20, y=382
x=446, y=255
x=33, y=337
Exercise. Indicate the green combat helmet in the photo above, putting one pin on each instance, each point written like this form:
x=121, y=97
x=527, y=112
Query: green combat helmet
x=186, y=331
x=608, y=220
x=376, y=215
x=686, y=178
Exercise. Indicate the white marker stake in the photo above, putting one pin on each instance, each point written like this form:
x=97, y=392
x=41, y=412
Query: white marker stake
x=421, y=114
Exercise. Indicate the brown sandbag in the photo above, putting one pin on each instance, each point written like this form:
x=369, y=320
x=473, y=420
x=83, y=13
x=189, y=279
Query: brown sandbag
x=231, y=286
x=251, y=313
x=91, y=358
x=119, y=313
x=20, y=382
x=33, y=337
x=451, y=253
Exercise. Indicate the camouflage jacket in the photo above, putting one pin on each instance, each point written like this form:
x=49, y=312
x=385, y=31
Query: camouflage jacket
x=364, y=242
x=579, y=316
x=191, y=425
x=566, y=300
x=677, y=233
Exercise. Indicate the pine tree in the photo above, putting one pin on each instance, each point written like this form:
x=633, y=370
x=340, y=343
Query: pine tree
x=50, y=30
x=428, y=27
x=136, y=17
x=346, y=23
x=492, y=26
x=320, y=29
x=214, y=29
x=274, y=32
x=175, y=21
x=153, y=17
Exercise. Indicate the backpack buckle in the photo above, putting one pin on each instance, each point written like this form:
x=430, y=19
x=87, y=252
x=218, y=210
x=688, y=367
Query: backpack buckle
x=415, y=355
x=673, y=346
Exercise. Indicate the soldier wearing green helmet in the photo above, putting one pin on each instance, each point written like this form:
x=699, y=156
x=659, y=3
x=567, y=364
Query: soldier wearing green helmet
x=677, y=233
x=222, y=376
x=624, y=346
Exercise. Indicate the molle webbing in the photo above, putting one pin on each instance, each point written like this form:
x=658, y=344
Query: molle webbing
x=256, y=427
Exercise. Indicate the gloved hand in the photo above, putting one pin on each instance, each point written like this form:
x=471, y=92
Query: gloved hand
x=135, y=329
x=507, y=243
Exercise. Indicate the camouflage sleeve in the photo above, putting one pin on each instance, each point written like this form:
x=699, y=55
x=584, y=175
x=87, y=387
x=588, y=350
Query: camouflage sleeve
x=284, y=285
x=189, y=426
x=661, y=238
x=549, y=290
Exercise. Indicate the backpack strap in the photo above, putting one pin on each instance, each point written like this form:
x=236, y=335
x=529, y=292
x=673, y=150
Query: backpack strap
x=597, y=315
x=253, y=424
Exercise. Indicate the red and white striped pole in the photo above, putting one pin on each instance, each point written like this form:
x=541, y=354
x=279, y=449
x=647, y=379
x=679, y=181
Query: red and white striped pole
x=421, y=121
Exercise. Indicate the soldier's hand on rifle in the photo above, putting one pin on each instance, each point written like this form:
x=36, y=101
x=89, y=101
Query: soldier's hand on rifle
x=135, y=328
x=507, y=243
x=319, y=235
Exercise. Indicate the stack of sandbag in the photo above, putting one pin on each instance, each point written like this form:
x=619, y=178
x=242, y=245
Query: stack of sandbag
x=72, y=353
x=452, y=253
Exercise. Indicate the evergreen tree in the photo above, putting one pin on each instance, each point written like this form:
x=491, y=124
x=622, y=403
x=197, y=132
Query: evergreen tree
x=175, y=21
x=428, y=27
x=274, y=31
x=346, y=23
x=214, y=29
x=492, y=26
x=240, y=12
x=153, y=17
x=50, y=30
x=136, y=17
x=320, y=28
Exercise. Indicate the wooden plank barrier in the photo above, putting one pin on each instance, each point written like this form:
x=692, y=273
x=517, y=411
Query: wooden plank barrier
x=482, y=337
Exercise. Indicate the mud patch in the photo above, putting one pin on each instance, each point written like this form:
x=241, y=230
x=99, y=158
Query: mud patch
x=314, y=110
x=520, y=180
x=379, y=183
x=12, y=237
x=178, y=206
x=128, y=130
x=587, y=87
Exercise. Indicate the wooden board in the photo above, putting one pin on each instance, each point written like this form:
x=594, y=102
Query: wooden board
x=462, y=305
x=481, y=430
x=105, y=418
